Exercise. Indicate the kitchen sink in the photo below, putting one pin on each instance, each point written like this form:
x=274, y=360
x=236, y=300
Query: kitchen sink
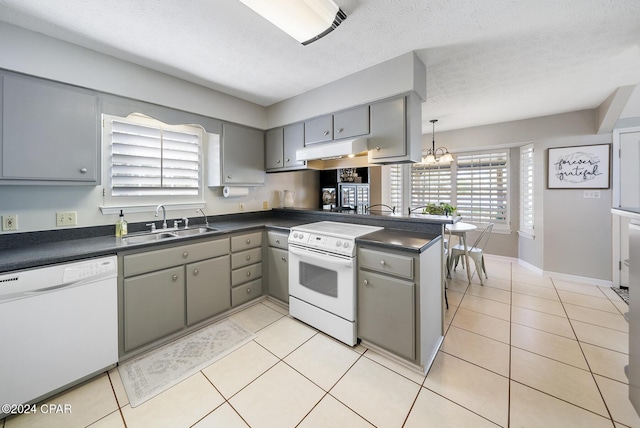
x=194, y=231
x=148, y=237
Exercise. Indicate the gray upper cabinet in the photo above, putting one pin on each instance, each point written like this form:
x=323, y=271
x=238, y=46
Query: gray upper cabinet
x=351, y=123
x=281, y=146
x=49, y=133
x=318, y=129
x=396, y=130
x=239, y=158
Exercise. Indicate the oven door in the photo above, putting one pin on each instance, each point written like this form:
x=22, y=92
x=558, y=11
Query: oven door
x=326, y=281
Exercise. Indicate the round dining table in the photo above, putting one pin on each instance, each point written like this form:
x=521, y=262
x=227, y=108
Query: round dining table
x=460, y=229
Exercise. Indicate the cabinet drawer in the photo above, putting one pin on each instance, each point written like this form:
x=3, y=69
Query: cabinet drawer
x=245, y=258
x=246, y=292
x=244, y=242
x=135, y=264
x=278, y=240
x=392, y=264
x=247, y=273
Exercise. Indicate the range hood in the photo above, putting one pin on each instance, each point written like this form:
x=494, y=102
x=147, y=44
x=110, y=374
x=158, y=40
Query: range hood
x=332, y=149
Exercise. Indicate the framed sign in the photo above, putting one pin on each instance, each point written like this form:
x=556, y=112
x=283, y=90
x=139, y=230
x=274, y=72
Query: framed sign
x=580, y=167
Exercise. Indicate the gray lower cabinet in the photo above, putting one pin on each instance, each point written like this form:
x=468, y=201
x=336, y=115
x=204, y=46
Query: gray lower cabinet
x=154, y=306
x=278, y=273
x=208, y=285
x=386, y=312
x=49, y=132
x=246, y=267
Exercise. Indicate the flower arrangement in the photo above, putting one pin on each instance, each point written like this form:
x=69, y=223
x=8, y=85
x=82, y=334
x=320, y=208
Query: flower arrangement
x=442, y=208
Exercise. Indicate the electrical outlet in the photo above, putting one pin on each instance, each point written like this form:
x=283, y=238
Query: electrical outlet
x=67, y=218
x=10, y=222
x=265, y=205
x=241, y=207
x=591, y=194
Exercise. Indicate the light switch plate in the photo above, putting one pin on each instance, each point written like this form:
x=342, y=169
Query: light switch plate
x=10, y=222
x=67, y=218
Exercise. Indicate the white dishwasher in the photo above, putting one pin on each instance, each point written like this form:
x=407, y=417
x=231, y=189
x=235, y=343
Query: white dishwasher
x=58, y=325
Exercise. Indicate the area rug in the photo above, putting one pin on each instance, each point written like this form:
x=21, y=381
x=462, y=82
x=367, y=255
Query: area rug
x=623, y=293
x=148, y=375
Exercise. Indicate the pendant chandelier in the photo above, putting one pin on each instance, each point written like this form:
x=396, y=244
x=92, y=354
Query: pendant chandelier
x=436, y=156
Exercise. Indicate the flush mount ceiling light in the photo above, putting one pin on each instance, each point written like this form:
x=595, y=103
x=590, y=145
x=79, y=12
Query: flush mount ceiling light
x=439, y=155
x=304, y=20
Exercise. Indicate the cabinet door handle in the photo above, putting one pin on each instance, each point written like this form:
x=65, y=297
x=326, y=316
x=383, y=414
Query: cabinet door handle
x=195, y=272
x=248, y=258
x=325, y=133
x=366, y=282
x=83, y=170
x=340, y=130
x=378, y=148
x=185, y=255
x=288, y=160
x=248, y=274
x=277, y=241
x=248, y=241
x=229, y=177
x=248, y=291
x=382, y=262
x=278, y=161
x=284, y=260
x=175, y=277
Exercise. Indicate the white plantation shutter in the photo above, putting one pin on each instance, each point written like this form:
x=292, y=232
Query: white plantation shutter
x=430, y=184
x=482, y=187
x=526, y=190
x=395, y=186
x=148, y=159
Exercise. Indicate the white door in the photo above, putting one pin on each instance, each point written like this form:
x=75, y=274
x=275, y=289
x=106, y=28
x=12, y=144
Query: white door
x=628, y=181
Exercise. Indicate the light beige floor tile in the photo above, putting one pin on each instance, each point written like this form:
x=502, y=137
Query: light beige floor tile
x=538, y=304
x=532, y=278
x=535, y=290
x=322, y=360
x=223, y=416
x=376, y=393
x=622, y=307
x=594, y=316
x=89, y=402
x=579, y=288
x=601, y=336
x=238, y=369
x=550, y=345
x=331, y=413
x=284, y=336
x=449, y=314
x=534, y=409
x=454, y=297
x=112, y=420
x=557, y=379
x=279, y=398
x=494, y=282
x=458, y=285
x=587, y=301
x=485, y=325
x=542, y=321
x=616, y=395
x=118, y=387
x=432, y=410
x=402, y=370
x=180, y=406
x=256, y=317
x=486, y=306
x=606, y=362
x=276, y=306
x=491, y=293
x=479, y=390
x=476, y=349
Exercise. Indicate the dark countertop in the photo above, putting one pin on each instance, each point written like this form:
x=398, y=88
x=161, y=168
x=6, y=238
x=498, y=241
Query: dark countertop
x=400, y=239
x=34, y=249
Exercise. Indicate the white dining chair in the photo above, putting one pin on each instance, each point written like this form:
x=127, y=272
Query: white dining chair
x=476, y=252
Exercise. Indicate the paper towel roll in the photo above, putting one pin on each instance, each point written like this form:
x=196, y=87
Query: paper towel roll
x=230, y=192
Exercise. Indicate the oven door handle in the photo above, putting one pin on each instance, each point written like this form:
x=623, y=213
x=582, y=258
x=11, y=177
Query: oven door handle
x=321, y=257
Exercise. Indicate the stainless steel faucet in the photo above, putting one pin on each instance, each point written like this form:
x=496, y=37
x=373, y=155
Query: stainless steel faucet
x=164, y=215
x=206, y=222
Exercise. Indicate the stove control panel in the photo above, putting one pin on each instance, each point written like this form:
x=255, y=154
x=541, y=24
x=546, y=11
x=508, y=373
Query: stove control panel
x=323, y=242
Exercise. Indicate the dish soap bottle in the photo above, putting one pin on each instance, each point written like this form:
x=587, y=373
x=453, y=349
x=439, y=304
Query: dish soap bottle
x=121, y=226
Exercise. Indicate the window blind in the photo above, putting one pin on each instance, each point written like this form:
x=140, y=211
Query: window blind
x=152, y=161
x=395, y=186
x=526, y=189
x=430, y=184
x=482, y=187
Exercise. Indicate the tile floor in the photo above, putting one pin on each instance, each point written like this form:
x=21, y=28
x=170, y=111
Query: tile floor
x=523, y=350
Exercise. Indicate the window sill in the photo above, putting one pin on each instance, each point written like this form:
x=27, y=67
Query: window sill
x=149, y=208
x=526, y=235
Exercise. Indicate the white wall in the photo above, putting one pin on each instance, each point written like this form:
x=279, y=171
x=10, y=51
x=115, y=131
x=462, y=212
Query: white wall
x=573, y=234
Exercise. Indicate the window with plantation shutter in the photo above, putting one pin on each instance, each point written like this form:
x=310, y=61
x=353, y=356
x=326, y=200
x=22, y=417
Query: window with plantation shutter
x=526, y=190
x=430, y=184
x=395, y=186
x=482, y=187
x=147, y=161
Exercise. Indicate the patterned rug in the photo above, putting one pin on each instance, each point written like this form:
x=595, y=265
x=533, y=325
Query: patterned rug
x=623, y=293
x=148, y=375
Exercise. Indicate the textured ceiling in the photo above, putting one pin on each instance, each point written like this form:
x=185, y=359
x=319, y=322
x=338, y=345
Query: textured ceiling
x=488, y=61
